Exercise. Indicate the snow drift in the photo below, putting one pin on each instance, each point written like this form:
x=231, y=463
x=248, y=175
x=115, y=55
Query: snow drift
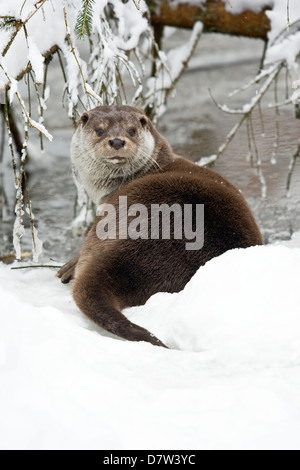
x=230, y=381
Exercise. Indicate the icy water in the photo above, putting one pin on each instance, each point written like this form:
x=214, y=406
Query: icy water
x=195, y=127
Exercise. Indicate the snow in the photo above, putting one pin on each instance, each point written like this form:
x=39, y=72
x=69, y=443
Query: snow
x=288, y=48
x=279, y=16
x=230, y=379
x=238, y=6
x=52, y=32
x=199, y=3
x=36, y=59
x=233, y=6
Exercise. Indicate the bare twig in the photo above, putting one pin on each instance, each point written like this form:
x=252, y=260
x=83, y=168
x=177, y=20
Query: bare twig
x=32, y=123
x=19, y=229
x=292, y=165
x=186, y=62
x=32, y=266
x=87, y=88
x=258, y=162
x=62, y=66
x=42, y=2
x=276, y=143
x=248, y=108
x=230, y=137
x=19, y=24
x=137, y=4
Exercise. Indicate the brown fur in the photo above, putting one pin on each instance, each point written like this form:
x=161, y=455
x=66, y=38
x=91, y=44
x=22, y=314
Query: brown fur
x=113, y=274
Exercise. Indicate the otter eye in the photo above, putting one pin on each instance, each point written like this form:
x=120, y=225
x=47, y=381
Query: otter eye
x=143, y=121
x=132, y=132
x=99, y=132
x=84, y=118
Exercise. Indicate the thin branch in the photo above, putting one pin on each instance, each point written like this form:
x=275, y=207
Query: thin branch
x=261, y=119
x=42, y=2
x=258, y=160
x=18, y=25
x=40, y=106
x=230, y=137
x=250, y=153
x=87, y=88
x=137, y=4
x=34, y=124
x=186, y=62
x=19, y=229
x=292, y=165
x=10, y=139
x=276, y=143
x=84, y=17
x=32, y=266
x=248, y=108
x=252, y=135
x=262, y=60
x=62, y=66
x=262, y=74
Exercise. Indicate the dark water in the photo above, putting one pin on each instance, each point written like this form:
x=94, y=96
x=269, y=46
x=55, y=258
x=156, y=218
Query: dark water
x=195, y=127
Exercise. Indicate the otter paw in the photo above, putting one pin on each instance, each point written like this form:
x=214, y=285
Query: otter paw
x=67, y=271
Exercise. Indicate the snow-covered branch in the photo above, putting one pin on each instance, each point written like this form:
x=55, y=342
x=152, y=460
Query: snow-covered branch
x=240, y=17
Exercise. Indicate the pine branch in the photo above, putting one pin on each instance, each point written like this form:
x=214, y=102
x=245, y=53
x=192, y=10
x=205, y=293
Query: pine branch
x=8, y=22
x=85, y=19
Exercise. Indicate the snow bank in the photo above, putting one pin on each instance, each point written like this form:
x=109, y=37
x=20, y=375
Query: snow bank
x=237, y=310
x=232, y=383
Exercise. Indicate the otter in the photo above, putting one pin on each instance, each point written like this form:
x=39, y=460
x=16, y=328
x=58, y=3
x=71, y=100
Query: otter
x=118, y=155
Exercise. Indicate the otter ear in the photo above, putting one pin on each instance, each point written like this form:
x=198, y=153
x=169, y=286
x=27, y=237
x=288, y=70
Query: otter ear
x=143, y=121
x=84, y=118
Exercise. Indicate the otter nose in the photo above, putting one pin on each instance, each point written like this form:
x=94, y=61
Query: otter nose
x=117, y=143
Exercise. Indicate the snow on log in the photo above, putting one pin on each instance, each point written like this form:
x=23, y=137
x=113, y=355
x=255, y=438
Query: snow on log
x=215, y=16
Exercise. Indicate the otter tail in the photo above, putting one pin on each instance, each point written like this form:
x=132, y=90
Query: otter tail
x=102, y=308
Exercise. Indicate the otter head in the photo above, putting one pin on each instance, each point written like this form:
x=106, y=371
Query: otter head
x=111, y=146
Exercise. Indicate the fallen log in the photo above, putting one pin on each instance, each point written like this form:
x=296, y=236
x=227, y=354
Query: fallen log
x=215, y=16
